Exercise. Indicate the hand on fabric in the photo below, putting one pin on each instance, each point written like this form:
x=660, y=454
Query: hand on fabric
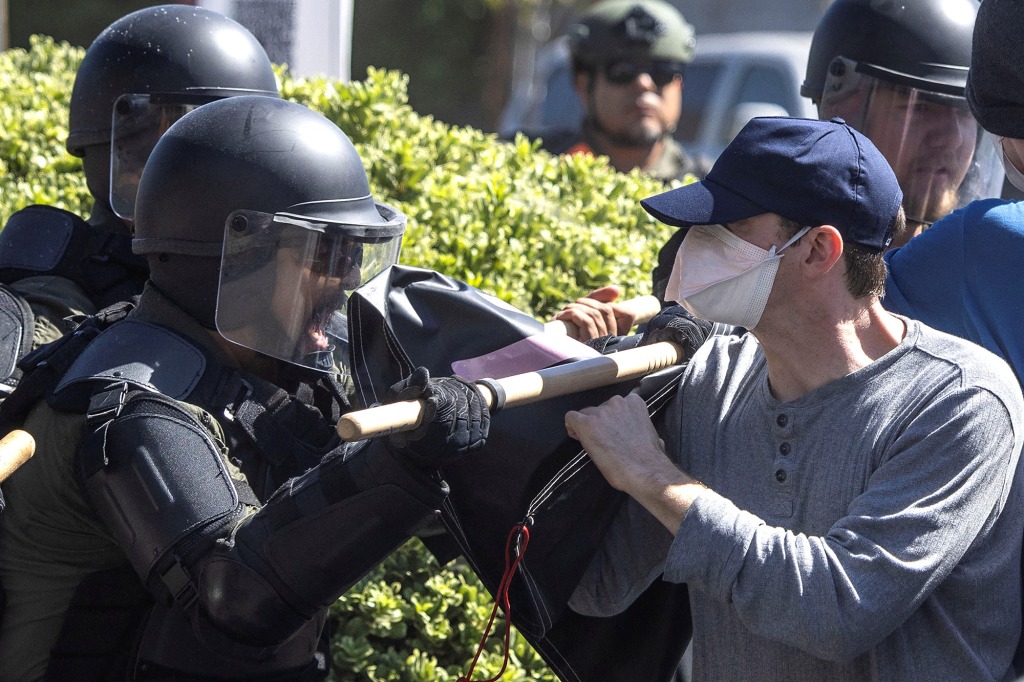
x=624, y=445
x=595, y=315
x=620, y=438
x=677, y=325
x=455, y=421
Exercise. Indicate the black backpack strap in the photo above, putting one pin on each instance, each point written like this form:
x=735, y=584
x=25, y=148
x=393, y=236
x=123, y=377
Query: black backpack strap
x=43, y=368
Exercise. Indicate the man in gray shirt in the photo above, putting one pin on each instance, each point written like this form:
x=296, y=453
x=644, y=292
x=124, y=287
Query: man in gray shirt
x=838, y=487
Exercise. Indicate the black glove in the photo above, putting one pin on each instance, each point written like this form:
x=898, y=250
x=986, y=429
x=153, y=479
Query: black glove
x=677, y=325
x=455, y=419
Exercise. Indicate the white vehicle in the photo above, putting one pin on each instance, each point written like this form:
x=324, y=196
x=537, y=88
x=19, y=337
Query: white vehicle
x=733, y=77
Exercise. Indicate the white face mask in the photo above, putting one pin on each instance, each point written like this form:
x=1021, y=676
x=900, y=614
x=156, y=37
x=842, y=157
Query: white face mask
x=720, y=277
x=1014, y=176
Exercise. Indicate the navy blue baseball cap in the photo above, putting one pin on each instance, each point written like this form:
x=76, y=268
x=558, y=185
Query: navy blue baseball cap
x=809, y=171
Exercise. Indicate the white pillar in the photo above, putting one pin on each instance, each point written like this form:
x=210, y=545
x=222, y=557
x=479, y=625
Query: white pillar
x=315, y=38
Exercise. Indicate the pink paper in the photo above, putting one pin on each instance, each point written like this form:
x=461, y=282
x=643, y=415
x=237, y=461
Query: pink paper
x=528, y=355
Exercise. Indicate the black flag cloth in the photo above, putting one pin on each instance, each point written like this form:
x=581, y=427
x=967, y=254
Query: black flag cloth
x=529, y=471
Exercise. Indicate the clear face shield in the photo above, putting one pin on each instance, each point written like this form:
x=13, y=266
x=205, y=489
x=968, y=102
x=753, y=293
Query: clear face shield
x=285, y=281
x=138, y=122
x=941, y=156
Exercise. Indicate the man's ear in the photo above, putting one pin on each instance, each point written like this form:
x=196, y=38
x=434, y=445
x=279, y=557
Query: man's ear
x=826, y=248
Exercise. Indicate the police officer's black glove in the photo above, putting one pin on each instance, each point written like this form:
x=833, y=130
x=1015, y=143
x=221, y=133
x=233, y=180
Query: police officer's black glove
x=677, y=325
x=455, y=421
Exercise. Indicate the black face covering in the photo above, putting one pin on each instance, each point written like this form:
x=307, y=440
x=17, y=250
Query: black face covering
x=190, y=282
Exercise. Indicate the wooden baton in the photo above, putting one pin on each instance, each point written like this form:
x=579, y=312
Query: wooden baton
x=15, y=449
x=643, y=308
x=521, y=389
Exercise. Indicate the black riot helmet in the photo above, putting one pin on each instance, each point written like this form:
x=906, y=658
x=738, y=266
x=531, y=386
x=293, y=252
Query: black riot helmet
x=896, y=71
x=142, y=73
x=925, y=44
x=257, y=219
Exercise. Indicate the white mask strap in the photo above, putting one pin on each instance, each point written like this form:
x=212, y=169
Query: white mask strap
x=801, y=233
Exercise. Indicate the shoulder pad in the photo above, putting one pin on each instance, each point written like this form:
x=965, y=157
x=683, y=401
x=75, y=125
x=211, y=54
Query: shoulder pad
x=36, y=238
x=16, y=328
x=141, y=354
x=155, y=476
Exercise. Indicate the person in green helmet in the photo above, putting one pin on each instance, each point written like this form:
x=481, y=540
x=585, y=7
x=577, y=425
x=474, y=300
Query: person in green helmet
x=629, y=59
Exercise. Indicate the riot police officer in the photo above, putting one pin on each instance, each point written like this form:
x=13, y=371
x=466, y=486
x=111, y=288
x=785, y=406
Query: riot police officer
x=190, y=511
x=140, y=74
x=897, y=72
x=629, y=61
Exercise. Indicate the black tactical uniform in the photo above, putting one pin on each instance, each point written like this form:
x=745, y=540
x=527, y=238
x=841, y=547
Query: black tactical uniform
x=190, y=511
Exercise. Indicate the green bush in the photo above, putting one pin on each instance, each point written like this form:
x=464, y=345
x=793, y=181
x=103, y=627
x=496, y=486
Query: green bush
x=533, y=229
x=35, y=85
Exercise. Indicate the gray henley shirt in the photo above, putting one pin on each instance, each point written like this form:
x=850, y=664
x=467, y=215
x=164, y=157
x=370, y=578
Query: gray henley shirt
x=868, y=530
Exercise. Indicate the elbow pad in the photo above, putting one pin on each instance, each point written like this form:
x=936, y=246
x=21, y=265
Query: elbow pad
x=316, y=537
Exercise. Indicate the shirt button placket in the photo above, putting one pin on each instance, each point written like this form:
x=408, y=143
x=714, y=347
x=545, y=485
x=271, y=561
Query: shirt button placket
x=781, y=504
x=782, y=432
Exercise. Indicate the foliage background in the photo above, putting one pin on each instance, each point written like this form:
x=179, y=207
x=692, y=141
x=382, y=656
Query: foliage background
x=533, y=229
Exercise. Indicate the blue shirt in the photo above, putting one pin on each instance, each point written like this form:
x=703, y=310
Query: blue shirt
x=963, y=275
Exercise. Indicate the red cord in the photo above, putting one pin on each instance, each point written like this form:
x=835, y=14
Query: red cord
x=520, y=530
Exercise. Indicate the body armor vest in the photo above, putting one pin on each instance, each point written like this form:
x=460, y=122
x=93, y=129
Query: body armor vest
x=271, y=436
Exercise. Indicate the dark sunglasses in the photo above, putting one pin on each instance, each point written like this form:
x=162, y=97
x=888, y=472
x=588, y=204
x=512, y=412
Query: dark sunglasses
x=661, y=71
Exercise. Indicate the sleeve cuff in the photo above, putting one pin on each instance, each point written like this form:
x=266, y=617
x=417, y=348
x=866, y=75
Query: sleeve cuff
x=711, y=544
